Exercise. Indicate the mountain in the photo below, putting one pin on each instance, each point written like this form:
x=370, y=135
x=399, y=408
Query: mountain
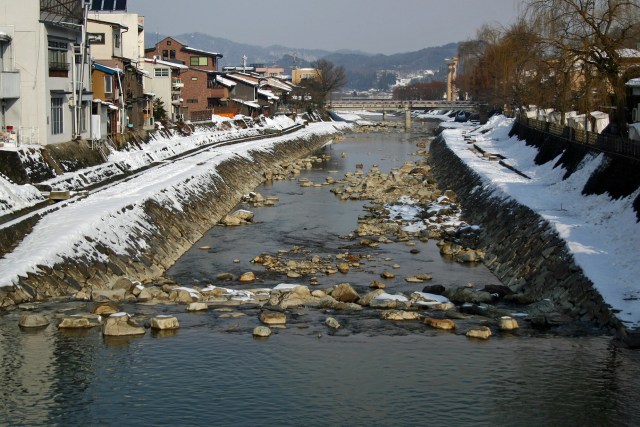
x=362, y=69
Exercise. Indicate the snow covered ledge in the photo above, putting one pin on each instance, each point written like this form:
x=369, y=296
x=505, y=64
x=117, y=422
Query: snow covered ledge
x=544, y=238
x=140, y=227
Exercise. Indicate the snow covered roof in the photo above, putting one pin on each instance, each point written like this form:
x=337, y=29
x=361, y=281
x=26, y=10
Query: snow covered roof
x=225, y=82
x=251, y=104
x=634, y=82
x=629, y=53
x=278, y=84
x=203, y=52
x=167, y=63
x=243, y=78
x=268, y=94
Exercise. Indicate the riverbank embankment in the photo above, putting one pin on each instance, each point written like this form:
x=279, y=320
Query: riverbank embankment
x=138, y=228
x=538, y=249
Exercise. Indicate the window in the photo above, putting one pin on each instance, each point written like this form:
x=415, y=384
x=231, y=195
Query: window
x=194, y=79
x=199, y=60
x=56, y=116
x=160, y=72
x=168, y=42
x=58, y=55
x=172, y=54
x=165, y=54
x=83, y=118
x=108, y=84
x=192, y=101
x=116, y=39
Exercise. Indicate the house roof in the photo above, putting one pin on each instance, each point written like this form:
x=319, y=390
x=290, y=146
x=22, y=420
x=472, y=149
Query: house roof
x=225, y=82
x=167, y=63
x=633, y=82
x=247, y=103
x=105, y=69
x=244, y=79
x=267, y=93
x=203, y=52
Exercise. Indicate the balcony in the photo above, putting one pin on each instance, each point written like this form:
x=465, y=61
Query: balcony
x=9, y=84
x=177, y=84
x=177, y=101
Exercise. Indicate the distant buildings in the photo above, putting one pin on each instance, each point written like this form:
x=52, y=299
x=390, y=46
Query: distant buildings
x=77, y=69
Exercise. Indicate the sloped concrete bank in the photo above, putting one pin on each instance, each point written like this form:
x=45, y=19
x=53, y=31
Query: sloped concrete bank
x=522, y=249
x=164, y=235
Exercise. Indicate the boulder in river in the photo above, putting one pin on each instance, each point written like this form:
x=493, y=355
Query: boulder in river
x=33, y=321
x=77, y=322
x=480, y=332
x=507, y=323
x=261, y=331
x=164, y=323
x=273, y=318
x=345, y=293
x=444, y=324
x=120, y=324
x=332, y=323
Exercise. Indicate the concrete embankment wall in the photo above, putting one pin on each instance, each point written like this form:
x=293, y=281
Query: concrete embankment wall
x=523, y=250
x=170, y=234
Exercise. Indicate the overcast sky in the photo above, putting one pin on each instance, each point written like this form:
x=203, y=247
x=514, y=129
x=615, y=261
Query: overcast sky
x=375, y=26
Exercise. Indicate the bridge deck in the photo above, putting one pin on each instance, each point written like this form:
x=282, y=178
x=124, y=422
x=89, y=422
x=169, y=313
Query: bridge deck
x=388, y=104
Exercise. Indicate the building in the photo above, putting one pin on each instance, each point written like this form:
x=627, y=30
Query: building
x=297, y=75
x=117, y=46
x=44, y=79
x=165, y=85
x=199, y=91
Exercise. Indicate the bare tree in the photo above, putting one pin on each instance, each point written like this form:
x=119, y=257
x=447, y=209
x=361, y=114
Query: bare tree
x=328, y=79
x=593, y=33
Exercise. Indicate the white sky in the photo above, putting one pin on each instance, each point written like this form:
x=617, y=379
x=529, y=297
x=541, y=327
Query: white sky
x=376, y=26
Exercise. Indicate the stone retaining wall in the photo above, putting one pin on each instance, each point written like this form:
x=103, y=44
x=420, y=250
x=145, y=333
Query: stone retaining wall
x=171, y=233
x=523, y=249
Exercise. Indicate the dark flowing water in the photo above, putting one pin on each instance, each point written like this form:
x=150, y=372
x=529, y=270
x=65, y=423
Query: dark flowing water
x=212, y=372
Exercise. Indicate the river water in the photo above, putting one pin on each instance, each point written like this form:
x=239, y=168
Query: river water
x=212, y=372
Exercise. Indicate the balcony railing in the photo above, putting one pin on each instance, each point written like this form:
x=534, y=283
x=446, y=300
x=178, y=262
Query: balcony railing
x=177, y=84
x=58, y=66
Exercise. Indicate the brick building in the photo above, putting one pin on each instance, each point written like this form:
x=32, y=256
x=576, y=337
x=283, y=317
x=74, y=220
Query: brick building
x=199, y=92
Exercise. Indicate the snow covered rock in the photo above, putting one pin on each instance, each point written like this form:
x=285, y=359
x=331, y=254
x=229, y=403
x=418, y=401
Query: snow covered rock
x=120, y=324
x=507, y=323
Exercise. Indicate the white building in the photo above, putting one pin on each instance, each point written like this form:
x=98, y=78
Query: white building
x=43, y=78
x=165, y=83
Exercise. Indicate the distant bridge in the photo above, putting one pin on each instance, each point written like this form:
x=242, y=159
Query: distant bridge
x=395, y=105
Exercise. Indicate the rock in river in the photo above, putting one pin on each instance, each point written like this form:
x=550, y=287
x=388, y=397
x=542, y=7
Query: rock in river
x=120, y=324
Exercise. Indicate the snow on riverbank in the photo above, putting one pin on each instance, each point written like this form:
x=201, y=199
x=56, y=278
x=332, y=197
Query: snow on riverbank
x=601, y=233
x=16, y=197
x=108, y=216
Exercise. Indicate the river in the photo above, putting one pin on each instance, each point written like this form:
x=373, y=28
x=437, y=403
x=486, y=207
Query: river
x=213, y=372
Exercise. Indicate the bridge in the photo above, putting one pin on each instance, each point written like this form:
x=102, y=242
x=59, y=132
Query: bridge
x=396, y=105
